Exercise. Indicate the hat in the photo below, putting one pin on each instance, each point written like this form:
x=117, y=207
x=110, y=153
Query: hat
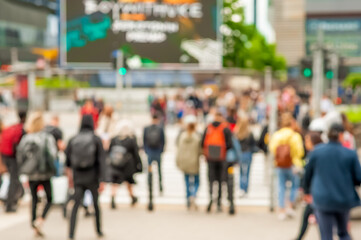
x=190, y=119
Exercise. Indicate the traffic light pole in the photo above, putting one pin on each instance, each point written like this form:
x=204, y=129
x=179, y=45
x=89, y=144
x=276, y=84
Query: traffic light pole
x=318, y=78
x=335, y=66
x=119, y=65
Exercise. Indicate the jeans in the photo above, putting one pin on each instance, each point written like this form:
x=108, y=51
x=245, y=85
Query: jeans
x=192, y=185
x=327, y=220
x=156, y=157
x=245, y=166
x=15, y=188
x=286, y=175
x=34, y=190
x=78, y=197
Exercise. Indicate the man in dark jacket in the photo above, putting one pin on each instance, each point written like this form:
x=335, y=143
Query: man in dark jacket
x=331, y=176
x=154, y=142
x=216, y=155
x=11, y=137
x=86, y=175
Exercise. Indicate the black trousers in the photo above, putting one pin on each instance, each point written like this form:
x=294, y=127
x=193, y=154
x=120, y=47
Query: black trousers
x=33, y=188
x=78, y=198
x=15, y=187
x=217, y=172
x=306, y=214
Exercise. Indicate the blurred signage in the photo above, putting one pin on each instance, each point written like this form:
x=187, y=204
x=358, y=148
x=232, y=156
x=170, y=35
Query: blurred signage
x=342, y=35
x=162, y=33
x=43, y=3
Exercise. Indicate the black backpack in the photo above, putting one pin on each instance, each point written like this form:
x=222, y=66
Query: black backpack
x=154, y=137
x=83, y=151
x=119, y=156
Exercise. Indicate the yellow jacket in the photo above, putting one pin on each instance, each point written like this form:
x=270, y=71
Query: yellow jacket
x=287, y=135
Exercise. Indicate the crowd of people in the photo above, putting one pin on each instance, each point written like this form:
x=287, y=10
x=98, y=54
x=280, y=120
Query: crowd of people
x=216, y=125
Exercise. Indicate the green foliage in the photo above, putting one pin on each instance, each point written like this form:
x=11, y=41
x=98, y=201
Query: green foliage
x=244, y=45
x=60, y=83
x=354, y=114
x=353, y=80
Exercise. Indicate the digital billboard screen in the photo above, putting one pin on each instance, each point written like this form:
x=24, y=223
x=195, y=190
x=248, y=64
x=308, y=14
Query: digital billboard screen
x=155, y=33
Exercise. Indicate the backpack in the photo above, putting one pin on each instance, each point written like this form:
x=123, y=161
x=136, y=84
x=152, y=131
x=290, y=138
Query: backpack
x=154, y=137
x=119, y=156
x=283, y=156
x=215, y=148
x=36, y=156
x=83, y=151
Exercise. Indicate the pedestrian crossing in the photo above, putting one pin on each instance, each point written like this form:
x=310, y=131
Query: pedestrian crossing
x=174, y=185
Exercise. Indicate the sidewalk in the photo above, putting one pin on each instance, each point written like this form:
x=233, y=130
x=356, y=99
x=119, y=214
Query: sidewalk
x=167, y=222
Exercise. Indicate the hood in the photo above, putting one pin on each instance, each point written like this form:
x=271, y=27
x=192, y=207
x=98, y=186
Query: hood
x=87, y=123
x=216, y=124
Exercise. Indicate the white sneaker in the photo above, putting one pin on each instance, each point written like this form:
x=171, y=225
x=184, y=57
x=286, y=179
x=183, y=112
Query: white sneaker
x=290, y=213
x=282, y=216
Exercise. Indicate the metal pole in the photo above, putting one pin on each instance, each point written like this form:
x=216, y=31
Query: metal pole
x=318, y=78
x=119, y=64
x=268, y=81
x=255, y=13
x=335, y=65
x=272, y=127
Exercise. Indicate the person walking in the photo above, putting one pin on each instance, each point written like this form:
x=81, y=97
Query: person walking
x=85, y=159
x=11, y=137
x=187, y=158
x=216, y=140
x=124, y=159
x=154, y=142
x=36, y=156
x=287, y=147
x=331, y=176
x=312, y=139
x=54, y=129
x=248, y=144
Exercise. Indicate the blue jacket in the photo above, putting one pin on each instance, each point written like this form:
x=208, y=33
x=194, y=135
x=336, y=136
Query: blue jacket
x=331, y=176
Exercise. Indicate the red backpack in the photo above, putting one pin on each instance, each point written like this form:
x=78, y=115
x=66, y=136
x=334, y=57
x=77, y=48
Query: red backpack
x=215, y=148
x=11, y=137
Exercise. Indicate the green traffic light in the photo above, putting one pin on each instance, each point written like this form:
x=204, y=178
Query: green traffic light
x=307, y=72
x=329, y=74
x=122, y=71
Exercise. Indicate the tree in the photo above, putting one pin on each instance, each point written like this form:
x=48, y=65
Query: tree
x=353, y=80
x=244, y=46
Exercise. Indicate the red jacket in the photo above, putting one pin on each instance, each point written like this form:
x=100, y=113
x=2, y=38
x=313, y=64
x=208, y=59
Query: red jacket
x=11, y=137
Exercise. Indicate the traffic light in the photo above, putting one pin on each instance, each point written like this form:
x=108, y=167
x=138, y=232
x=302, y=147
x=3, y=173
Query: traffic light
x=306, y=65
x=119, y=61
x=327, y=65
x=122, y=71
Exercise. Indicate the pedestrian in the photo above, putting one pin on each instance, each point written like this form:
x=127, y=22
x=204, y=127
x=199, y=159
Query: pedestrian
x=36, y=156
x=90, y=109
x=348, y=140
x=124, y=160
x=85, y=159
x=312, y=139
x=11, y=137
x=187, y=158
x=248, y=145
x=154, y=142
x=3, y=168
x=331, y=176
x=287, y=147
x=216, y=140
x=54, y=129
x=107, y=124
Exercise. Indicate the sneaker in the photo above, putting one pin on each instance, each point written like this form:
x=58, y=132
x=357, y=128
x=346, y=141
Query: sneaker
x=150, y=207
x=134, y=201
x=243, y=194
x=290, y=213
x=282, y=216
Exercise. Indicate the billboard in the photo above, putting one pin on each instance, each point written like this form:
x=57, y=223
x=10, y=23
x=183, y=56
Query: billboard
x=154, y=33
x=341, y=35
